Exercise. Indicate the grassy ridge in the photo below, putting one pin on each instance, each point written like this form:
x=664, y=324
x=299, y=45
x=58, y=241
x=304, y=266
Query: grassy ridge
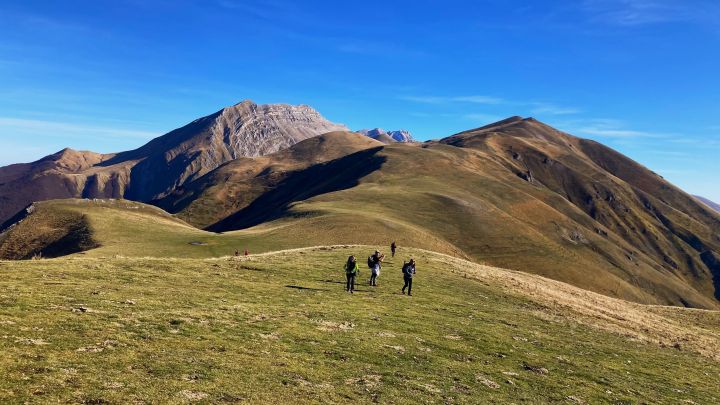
x=128, y=228
x=279, y=327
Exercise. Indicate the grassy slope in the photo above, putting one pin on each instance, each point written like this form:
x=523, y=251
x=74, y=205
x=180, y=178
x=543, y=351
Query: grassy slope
x=575, y=221
x=238, y=182
x=458, y=201
x=127, y=228
x=278, y=327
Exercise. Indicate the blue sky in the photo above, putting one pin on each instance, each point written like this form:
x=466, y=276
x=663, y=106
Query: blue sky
x=642, y=76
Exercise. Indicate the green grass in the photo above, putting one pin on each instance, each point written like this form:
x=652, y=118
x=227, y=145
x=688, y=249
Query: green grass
x=279, y=328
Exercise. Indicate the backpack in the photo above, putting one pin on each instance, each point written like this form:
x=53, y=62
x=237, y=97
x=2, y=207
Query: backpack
x=371, y=262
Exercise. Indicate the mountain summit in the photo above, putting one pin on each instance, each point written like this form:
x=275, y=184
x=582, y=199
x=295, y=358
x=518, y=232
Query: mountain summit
x=155, y=169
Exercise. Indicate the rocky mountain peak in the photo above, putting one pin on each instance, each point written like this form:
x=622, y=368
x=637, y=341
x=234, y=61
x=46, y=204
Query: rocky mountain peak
x=249, y=129
x=387, y=136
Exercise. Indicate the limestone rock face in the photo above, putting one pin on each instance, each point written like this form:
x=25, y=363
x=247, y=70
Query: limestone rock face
x=249, y=130
x=165, y=163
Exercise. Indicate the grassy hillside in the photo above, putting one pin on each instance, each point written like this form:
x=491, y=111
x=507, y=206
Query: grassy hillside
x=236, y=184
x=279, y=327
x=518, y=195
x=126, y=228
x=119, y=227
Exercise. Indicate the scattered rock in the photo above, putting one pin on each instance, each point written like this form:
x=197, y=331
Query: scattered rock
x=462, y=388
x=487, y=382
x=510, y=373
x=30, y=341
x=575, y=400
x=536, y=369
x=130, y=302
x=429, y=387
x=259, y=318
x=108, y=344
x=269, y=336
x=192, y=377
x=453, y=337
x=368, y=381
x=386, y=334
x=396, y=348
x=193, y=395
x=330, y=326
x=527, y=176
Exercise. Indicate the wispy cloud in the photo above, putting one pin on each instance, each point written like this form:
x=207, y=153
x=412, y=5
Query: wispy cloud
x=552, y=109
x=532, y=107
x=373, y=48
x=477, y=99
x=267, y=9
x=644, y=12
x=614, y=133
x=17, y=127
x=607, y=128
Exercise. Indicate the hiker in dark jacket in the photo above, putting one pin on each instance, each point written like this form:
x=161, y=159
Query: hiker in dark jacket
x=408, y=270
x=393, y=246
x=375, y=263
x=351, y=271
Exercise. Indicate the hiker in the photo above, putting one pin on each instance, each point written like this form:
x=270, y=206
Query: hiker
x=408, y=270
x=351, y=271
x=393, y=246
x=374, y=263
x=237, y=253
x=247, y=253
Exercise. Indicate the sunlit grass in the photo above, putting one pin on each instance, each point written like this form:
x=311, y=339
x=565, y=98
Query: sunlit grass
x=279, y=327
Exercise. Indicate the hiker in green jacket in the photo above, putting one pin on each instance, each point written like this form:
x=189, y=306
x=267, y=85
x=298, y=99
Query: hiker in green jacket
x=351, y=271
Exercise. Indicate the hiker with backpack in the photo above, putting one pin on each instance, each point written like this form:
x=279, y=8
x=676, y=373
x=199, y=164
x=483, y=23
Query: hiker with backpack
x=393, y=246
x=352, y=270
x=374, y=263
x=408, y=270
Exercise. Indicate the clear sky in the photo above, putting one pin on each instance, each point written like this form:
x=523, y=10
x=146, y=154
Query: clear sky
x=642, y=76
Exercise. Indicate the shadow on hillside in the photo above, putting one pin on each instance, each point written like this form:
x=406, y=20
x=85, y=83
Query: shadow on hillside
x=298, y=287
x=713, y=263
x=323, y=178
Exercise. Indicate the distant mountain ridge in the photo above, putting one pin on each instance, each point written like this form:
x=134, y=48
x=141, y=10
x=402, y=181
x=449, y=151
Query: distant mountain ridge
x=383, y=136
x=155, y=169
x=709, y=203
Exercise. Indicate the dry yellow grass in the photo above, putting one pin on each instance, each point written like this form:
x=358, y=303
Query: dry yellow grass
x=696, y=330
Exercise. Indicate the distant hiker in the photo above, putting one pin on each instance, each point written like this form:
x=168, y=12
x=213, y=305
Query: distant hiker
x=351, y=271
x=237, y=253
x=393, y=246
x=408, y=271
x=247, y=253
x=374, y=263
